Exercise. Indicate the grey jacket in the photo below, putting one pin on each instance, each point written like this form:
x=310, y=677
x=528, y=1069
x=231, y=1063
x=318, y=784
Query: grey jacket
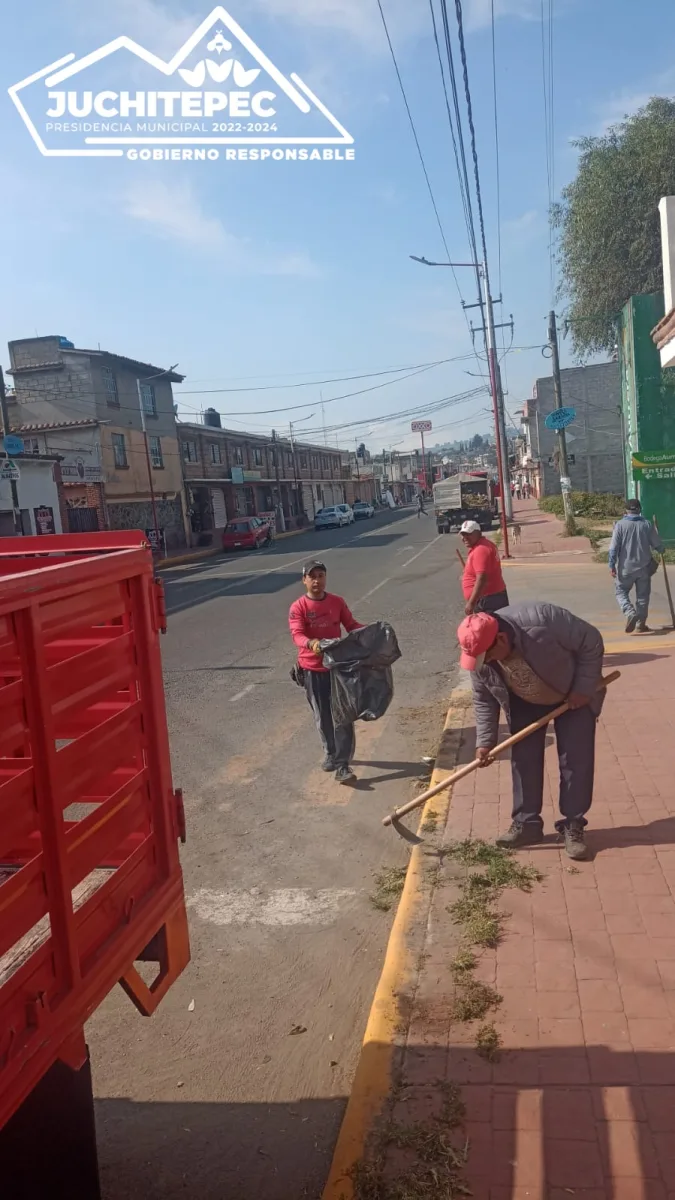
x=630, y=551
x=564, y=651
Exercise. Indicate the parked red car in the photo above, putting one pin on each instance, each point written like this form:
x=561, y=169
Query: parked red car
x=246, y=533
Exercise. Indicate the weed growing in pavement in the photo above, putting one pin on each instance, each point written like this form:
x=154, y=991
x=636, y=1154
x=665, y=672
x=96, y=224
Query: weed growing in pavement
x=473, y=1000
x=430, y=822
x=388, y=887
x=488, y=1043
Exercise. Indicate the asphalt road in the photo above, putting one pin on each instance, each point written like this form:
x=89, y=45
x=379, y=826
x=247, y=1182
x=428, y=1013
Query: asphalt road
x=239, y=1095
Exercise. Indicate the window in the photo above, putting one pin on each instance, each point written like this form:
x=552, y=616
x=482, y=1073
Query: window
x=315, y=462
x=31, y=445
x=325, y=463
x=289, y=460
x=120, y=450
x=238, y=455
x=216, y=456
x=148, y=400
x=110, y=385
x=303, y=462
x=189, y=452
x=156, y=456
x=257, y=456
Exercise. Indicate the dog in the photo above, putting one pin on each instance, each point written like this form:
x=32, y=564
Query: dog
x=515, y=534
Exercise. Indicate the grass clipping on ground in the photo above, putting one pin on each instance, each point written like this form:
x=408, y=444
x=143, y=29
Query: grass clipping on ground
x=437, y=1149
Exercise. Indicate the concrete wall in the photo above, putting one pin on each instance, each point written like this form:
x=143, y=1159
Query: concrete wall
x=138, y=515
x=595, y=438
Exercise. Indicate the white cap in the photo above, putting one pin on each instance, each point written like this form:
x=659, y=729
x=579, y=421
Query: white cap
x=470, y=527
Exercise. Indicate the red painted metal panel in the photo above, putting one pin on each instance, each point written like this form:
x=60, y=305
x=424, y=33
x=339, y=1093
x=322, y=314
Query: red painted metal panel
x=82, y=722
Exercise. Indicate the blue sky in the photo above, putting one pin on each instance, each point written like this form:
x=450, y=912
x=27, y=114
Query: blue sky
x=251, y=274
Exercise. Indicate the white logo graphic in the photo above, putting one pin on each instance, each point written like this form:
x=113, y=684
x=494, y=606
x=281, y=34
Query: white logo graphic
x=212, y=99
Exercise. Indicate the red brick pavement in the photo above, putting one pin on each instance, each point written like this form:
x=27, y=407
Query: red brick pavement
x=582, y=1100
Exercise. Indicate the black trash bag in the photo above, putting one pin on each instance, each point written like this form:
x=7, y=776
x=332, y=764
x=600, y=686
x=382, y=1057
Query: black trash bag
x=362, y=684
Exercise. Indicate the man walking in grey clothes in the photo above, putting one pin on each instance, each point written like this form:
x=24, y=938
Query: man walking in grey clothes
x=527, y=659
x=632, y=564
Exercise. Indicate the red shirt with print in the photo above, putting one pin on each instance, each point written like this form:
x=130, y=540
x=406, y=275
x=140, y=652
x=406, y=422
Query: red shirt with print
x=317, y=620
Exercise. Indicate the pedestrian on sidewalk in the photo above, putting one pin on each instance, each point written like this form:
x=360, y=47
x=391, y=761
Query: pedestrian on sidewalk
x=482, y=582
x=632, y=564
x=527, y=660
x=315, y=617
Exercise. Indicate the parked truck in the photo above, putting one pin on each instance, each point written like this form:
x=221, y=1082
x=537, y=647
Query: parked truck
x=464, y=498
x=90, y=876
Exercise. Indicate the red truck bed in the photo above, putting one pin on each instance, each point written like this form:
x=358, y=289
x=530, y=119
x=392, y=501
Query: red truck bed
x=90, y=878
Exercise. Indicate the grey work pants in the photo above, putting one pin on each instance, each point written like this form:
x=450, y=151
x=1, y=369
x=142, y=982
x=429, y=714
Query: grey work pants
x=642, y=582
x=338, y=741
x=575, y=737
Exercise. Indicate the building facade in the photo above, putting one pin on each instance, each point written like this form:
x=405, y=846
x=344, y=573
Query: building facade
x=229, y=474
x=57, y=386
x=594, y=439
x=39, y=494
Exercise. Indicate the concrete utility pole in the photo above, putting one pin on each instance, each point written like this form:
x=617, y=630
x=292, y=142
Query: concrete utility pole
x=18, y=528
x=278, y=507
x=565, y=481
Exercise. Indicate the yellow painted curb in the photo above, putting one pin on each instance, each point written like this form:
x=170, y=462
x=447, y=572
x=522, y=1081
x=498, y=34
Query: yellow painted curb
x=373, y=1078
x=180, y=560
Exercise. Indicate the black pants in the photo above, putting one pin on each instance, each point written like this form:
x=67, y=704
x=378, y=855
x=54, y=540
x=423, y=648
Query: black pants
x=338, y=740
x=490, y=604
x=575, y=737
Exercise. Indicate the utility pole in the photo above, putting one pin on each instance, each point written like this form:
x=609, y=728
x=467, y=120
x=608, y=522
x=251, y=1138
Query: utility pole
x=18, y=529
x=565, y=482
x=298, y=485
x=278, y=507
x=158, y=536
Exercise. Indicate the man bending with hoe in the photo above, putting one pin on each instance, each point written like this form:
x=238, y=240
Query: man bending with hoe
x=527, y=660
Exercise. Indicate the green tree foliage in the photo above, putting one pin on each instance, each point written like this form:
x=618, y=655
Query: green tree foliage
x=608, y=222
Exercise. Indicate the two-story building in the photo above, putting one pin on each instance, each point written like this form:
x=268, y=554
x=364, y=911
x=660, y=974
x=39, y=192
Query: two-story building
x=229, y=473
x=93, y=409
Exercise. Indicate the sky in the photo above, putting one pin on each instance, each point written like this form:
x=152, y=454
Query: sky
x=268, y=275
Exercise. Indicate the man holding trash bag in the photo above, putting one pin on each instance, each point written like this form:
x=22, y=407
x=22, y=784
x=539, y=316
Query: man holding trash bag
x=527, y=659
x=316, y=617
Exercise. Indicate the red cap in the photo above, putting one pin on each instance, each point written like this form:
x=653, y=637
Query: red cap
x=475, y=635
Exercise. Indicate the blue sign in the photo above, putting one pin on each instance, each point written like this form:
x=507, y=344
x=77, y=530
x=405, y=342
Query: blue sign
x=12, y=444
x=560, y=418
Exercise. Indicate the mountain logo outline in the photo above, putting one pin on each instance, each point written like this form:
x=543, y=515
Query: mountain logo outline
x=294, y=88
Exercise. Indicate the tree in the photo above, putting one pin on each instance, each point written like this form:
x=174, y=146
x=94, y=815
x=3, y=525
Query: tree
x=609, y=242
x=477, y=442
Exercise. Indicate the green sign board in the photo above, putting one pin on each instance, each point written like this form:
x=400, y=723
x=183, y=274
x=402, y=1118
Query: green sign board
x=659, y=464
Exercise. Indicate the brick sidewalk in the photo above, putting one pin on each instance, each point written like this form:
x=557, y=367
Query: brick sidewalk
x=582, y=1099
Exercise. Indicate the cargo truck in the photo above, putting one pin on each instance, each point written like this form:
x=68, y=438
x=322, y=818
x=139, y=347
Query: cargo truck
x=464, y=498
x=90, y=876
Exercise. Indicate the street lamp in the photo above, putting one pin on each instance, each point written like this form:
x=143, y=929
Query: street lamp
x=139, y=387
x=495, y=388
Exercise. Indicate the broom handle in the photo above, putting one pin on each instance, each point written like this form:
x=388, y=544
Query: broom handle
x=666, y=580
x=455, y=776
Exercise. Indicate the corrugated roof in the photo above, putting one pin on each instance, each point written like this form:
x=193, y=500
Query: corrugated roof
x=42, y=426
x=664, y=332
x=172, y=376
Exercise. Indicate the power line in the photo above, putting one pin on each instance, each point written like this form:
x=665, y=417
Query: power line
x=547, y=60
x=280, y=387
x=497, y=164
x=414, y=130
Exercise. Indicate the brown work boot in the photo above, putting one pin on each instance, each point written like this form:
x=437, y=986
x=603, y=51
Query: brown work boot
x=520, y=834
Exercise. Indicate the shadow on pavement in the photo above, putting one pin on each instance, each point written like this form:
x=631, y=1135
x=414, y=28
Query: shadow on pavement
x=393, y=770
x=656, y=833
x=630, y=659
x=218, y=1151
x=192, y=594
x=555, y=1120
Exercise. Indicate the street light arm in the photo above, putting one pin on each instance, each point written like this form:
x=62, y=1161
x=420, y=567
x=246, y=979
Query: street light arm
x=427, y=263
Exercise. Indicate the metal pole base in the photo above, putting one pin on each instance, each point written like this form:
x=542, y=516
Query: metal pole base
x=48, y=1148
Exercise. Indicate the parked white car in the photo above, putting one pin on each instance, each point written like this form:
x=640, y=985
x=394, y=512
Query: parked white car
x=363, y=510
x=348, y=511
x=331, y=518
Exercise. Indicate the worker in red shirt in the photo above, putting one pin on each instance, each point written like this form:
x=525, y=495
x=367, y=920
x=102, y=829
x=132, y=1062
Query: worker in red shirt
x=316, y=617
x=482, y=582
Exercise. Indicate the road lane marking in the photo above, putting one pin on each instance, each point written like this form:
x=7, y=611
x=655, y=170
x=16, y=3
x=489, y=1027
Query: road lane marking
x=240, y=695
x=403, y=566
x=281, y=907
